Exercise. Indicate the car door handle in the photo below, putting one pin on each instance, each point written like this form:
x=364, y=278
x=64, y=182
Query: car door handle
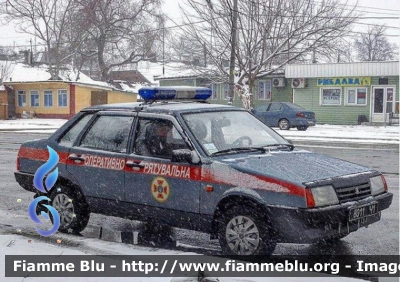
x=134, y=164
x=76, y=158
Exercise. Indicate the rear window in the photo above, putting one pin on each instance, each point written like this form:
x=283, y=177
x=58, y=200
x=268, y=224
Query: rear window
x=70, y=136
x=109, y=133
x=295, y=107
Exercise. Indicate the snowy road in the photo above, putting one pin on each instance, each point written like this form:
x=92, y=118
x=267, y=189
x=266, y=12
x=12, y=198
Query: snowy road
x=15, y=220
x=364, y=242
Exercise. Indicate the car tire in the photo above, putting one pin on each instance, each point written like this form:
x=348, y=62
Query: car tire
x=72, y=208
x=302, y=127
x=284, y=124
x=235, y=241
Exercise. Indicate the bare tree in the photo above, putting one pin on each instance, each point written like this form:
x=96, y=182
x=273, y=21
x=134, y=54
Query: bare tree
x=45, y=19
x=185, y=50
x=5, y=70
x=374, y=45
x=121, y=31
x=271, y=33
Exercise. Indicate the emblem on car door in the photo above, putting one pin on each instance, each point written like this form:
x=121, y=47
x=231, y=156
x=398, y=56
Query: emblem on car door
x=160, y=189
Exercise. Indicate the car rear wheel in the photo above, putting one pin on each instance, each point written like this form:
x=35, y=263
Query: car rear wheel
x=302, y=127
x=241, y=231
x=284, y=124
x=73, y=210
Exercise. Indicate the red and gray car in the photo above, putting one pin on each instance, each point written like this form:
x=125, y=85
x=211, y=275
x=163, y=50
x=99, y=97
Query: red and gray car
x=206, y=167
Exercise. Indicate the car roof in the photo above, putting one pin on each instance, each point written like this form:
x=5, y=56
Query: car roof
x=165, y=107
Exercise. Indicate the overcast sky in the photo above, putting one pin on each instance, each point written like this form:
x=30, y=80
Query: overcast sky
x=372, y=8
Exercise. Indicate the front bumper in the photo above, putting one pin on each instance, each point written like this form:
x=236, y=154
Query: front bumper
x=25, y=180
x=313, y=225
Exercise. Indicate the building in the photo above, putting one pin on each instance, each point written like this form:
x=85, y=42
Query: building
x=346, y=93
x=271, y=87
x=31, y=91
x=3, y=102
x=130, y=76
x=338, y=93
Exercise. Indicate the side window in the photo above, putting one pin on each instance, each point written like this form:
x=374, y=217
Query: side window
x=70, y=136
x=262, y=108
x=109, y=133
x=157, y=138
x=275, y=107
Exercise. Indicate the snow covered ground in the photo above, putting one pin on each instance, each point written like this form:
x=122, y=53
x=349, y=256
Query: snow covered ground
x=346, y=133
x=320, y=133
x=21, y=245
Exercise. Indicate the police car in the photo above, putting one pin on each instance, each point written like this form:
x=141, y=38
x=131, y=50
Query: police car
x=206, y=167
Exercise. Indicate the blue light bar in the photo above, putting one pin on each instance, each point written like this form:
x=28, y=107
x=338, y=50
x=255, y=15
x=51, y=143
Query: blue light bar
x=175, y=93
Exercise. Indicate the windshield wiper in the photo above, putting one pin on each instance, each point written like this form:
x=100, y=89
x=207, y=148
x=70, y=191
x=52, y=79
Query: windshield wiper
x=239, y=149
x=290, y=146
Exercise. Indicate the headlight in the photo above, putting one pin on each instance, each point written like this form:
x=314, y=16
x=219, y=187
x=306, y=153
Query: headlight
x=378, y=185
x=324, y=196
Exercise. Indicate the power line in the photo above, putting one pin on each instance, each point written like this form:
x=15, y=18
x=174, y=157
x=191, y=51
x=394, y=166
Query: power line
x=389, y=27
x=357, y=10
x=347, y=8
x=380, y=9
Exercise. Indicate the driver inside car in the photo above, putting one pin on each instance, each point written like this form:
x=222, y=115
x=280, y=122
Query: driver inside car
x=157, y=139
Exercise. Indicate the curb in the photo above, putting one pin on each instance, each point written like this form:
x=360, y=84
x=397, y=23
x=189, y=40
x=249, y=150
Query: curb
x=119, y=236
x=341, y=144
x=143, y=237
x=146, y=237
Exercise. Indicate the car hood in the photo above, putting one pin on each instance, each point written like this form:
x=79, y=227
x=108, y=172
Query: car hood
x=297, y=166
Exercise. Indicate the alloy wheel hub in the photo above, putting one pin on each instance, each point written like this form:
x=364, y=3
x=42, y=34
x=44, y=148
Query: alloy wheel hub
x=242, y=235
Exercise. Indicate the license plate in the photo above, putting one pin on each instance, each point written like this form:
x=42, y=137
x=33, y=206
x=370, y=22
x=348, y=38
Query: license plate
x=363, y=211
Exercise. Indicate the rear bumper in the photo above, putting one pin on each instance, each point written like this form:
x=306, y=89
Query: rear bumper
x=25, y=180
x=312, y=225
x=304, y=122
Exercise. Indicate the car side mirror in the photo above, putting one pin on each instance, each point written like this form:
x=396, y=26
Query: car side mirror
x=185, y=155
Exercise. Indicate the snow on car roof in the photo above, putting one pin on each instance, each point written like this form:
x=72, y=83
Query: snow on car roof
x=161, y=106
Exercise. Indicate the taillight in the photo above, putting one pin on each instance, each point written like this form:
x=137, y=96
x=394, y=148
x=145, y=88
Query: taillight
x=18, y=164
x=310, y=199
x=384, y=183
x=300, y=115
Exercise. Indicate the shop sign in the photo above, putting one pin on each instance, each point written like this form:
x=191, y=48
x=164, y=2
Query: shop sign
x=344, y=81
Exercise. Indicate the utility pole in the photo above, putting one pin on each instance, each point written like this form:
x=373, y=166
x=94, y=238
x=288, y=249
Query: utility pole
x=31, y=54
x=163, y=49
x=288, y=45
x=205, y=54
x=233, y=47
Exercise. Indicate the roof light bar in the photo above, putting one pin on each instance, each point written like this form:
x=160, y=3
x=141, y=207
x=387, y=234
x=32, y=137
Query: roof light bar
x=175, y=93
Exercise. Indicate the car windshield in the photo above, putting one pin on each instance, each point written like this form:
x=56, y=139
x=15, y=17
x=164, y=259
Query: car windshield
x=231, y=131
x=294, y=106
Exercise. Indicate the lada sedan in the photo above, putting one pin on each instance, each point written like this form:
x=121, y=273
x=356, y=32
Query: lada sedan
x=206, y=167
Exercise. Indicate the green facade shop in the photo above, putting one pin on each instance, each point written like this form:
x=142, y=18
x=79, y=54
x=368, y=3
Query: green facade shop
x=348, y=93
x=338, y=93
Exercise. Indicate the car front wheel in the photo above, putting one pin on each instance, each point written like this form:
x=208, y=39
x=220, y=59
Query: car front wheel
x=243, y=232
x=284, y=124
x=73, y=210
